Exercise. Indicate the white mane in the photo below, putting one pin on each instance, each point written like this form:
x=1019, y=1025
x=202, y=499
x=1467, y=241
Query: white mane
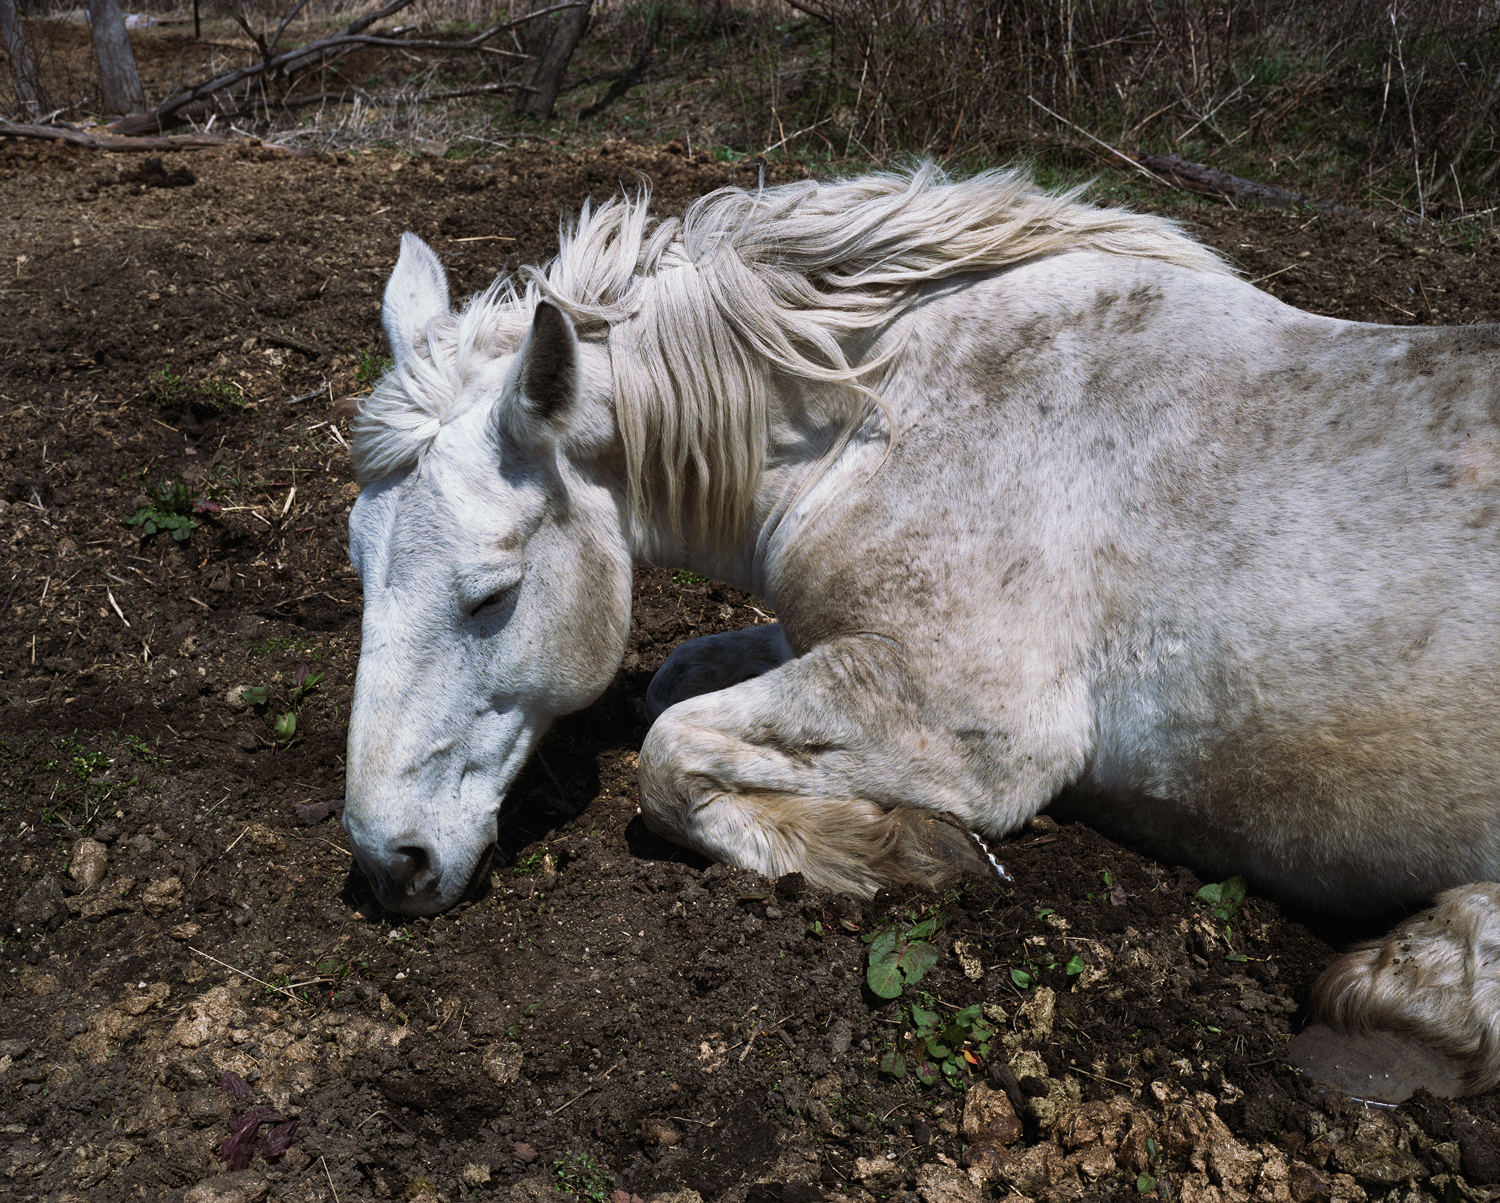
x=699, y=312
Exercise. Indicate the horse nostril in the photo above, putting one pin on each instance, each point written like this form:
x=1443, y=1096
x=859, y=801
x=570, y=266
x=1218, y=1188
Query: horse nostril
x=409, y=868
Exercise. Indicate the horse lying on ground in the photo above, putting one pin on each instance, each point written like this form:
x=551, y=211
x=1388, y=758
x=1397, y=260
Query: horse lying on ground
x=1044, y=497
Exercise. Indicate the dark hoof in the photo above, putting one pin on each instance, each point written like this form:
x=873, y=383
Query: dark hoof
x=945, y=850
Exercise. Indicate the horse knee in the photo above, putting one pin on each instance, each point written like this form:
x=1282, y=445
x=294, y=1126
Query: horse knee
x=1436, y=978
x=701, y=787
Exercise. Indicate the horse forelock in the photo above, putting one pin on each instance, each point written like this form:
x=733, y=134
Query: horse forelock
x=699, y=312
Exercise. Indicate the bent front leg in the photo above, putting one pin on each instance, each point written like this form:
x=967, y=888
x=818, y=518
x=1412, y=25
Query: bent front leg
x=826, y=766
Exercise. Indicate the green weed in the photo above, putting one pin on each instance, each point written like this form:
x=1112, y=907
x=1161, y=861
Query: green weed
x=1223, y=898
x=1146, y=1183
x=171, y=509
x=166, y=387
x=581, y=1175
x=304, y=681
x=371, y=368
x=941, y=1049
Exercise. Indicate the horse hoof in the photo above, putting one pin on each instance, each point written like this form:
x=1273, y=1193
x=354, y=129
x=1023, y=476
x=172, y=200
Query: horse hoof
x=938, y=850
x=1378, y=1067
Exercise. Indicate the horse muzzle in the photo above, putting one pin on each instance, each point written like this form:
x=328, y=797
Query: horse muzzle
x=412, y=878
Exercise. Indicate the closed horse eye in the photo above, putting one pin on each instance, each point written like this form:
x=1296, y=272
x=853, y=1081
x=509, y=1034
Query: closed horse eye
x=498, y=598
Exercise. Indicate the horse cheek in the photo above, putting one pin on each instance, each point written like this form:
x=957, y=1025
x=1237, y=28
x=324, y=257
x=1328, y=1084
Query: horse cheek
x=590, y=605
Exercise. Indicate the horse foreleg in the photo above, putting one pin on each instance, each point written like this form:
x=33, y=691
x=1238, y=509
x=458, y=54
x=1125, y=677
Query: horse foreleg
x=1435, y=979
x=713, y=662
x=816, y=767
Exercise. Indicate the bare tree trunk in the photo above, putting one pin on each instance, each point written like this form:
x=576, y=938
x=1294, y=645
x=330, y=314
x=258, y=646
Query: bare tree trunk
x=121, y=83
x=552, y=46
x=29, y=89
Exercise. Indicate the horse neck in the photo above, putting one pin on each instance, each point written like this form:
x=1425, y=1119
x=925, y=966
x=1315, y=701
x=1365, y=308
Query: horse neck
x=804, y=429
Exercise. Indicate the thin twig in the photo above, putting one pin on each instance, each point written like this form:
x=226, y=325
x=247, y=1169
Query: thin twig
x=324, y=1162
x=243, y=974
x=1150, y=175
x=109, y=593
x=572, y=1100
x=1277, y=272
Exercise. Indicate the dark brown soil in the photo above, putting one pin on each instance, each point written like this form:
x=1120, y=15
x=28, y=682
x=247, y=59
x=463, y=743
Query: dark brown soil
x=613, y=1013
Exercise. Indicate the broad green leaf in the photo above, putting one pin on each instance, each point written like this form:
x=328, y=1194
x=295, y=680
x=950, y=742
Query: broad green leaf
x=1021, y=978
x=1223, y=897
x=916, y=959
x=884, y=974
x=921, y=1017
x=1076, y=966
x=923, y=930
x=893, y=1063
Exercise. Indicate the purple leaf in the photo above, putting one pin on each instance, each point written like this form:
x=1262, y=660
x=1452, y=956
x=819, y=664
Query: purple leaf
x=239, y=1149
x=278, y=1140
x=204, y=506
x=235, y=1086
x=301, y=674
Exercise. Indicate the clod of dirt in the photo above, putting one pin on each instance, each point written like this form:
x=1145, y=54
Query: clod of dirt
x=87, y=864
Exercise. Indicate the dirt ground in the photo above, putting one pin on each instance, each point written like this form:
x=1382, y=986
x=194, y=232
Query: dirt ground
x=184, y=942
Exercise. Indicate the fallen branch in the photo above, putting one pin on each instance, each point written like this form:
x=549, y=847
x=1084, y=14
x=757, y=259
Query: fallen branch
x=113, y=142
x=1205, y=181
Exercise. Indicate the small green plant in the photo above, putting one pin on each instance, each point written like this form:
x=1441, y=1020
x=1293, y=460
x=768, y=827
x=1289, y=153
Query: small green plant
x=171, y=508
x=304, y=681
x=531, y=862
x=581, y=1175
x=142, y=750
x=943, y=1049
x=87, y=784
x=1223, y=898
x=1146, y=1183
x=683, y=577
x=900, y=956
x=371, y=368
x=166, y=387
x=219, y=395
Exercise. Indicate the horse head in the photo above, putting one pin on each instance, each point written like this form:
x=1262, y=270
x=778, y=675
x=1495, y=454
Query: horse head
x=496, y=575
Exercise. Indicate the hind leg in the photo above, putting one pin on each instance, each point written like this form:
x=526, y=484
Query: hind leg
x=1435, y=979
x=828, y=766
x=713, y=662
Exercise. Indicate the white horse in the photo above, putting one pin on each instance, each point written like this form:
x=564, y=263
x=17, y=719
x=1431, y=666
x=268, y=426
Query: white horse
x=1045, y=498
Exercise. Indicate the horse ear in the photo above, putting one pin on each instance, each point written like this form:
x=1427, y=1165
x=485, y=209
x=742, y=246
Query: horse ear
x=416, y=294
x=548, y=372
